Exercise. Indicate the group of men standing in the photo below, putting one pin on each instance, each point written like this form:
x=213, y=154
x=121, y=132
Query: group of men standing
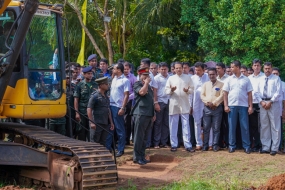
x=202, y=109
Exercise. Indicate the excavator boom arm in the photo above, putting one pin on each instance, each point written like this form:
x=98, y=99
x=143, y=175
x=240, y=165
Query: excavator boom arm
x=3, y=5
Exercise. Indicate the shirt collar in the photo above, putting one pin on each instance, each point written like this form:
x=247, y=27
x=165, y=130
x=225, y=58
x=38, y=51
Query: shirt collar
x=241, y=75
x=260, y=74
x=122, y=76
x=224, y=76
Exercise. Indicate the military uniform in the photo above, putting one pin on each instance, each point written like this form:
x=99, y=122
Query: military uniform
x=143, y=113
x=97, y=74
x=83, y=91
x=57, y=124
x=100, y=109
x=70, y=100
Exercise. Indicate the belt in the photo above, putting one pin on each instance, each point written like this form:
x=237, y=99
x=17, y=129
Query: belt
x=266, y=99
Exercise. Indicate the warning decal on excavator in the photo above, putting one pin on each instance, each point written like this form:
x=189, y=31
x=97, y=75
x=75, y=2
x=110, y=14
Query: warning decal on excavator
x=43, y=13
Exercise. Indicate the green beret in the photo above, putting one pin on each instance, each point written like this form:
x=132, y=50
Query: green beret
x=102, y=80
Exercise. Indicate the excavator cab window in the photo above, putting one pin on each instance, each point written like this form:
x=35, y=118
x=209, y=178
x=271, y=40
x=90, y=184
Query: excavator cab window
x=45, y=80
x=6, y=21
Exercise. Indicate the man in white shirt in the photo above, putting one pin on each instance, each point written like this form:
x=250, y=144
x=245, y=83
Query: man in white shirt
x=197, y=104
x=254, y=117
x=268, y=95
x=186, y=71
x=238, y=104
x=224, y=130
x=161, y=124
x=119, y=97
x=276, y=72
x=179, y=86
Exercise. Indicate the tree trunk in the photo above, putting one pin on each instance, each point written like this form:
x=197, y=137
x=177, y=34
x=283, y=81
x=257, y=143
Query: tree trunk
x=107, y=33
x=75, y=8
x=124, y=29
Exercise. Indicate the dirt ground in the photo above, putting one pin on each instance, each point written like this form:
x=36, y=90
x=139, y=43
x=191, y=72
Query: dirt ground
x=258, y=171
x=254, y=169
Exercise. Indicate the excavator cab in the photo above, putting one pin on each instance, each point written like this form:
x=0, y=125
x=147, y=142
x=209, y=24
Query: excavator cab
x=37, y=86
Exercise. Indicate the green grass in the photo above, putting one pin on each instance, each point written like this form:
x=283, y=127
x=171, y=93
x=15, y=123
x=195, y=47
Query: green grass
x=197, y=184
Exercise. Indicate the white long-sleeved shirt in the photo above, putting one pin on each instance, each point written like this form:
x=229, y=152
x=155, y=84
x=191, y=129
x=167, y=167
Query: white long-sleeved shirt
x=254, y=79
x=198, y=105
x=179, y=100
x=274, y=88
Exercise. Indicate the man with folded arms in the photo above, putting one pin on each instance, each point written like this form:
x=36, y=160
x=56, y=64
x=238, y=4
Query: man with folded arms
x=268, y=95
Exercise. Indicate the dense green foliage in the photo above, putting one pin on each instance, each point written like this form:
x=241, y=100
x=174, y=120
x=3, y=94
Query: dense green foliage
x=185, y=30
x=243, y=30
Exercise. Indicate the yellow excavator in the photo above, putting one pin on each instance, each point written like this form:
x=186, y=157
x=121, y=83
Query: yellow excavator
x=32, y=86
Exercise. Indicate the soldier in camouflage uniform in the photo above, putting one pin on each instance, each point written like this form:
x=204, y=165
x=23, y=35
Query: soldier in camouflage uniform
x=92, y=61
x=57, y=124
x=70, y=88
x=81, y=95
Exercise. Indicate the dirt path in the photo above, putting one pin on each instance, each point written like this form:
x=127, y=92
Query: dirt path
x=254, y=169
x=159, y=172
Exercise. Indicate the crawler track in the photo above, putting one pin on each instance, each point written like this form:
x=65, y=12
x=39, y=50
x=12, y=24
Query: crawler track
x=97, y=164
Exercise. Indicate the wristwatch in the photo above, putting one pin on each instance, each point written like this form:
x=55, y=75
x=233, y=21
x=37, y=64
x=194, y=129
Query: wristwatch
x=123, y=108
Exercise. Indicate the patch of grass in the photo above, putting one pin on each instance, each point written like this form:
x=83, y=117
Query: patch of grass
x=199, y=184
x=131, y=186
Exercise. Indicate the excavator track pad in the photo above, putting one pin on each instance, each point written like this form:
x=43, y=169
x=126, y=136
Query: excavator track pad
x=69, y=164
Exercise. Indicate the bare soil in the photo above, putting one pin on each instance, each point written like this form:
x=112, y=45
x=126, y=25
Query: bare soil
x=274, y=183
x=222, y=167
x=12, y=187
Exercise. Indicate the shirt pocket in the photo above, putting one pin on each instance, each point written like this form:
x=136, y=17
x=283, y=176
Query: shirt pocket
x=217, y=91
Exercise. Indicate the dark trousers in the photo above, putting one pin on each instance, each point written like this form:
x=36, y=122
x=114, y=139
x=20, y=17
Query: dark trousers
x=282, y=136
x=192, y=130
x=99, y=135
x=224, y=130
x=142, y=125
x=128, y=121
x=82, y=130
x=161, y=125
x=241, y=113
x=58, y=128
x=212, y=118
x=254, y=128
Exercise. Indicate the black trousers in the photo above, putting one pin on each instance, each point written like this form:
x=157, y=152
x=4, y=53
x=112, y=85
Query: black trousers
x=82, y=130
x=128, y=122
x=224, y=130
x=161, y=125
x=254, y=127
x=99, y=135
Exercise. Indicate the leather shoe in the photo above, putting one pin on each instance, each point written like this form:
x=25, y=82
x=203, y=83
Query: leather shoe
x=255, y=150
x=273, y=153
x=231, y=150
x=190, y=150
x=205, y=148
x=141, y=162
x=247, y=150
x=119, y=153
x=216, y=148
x=146, y=161
x=264, y=152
